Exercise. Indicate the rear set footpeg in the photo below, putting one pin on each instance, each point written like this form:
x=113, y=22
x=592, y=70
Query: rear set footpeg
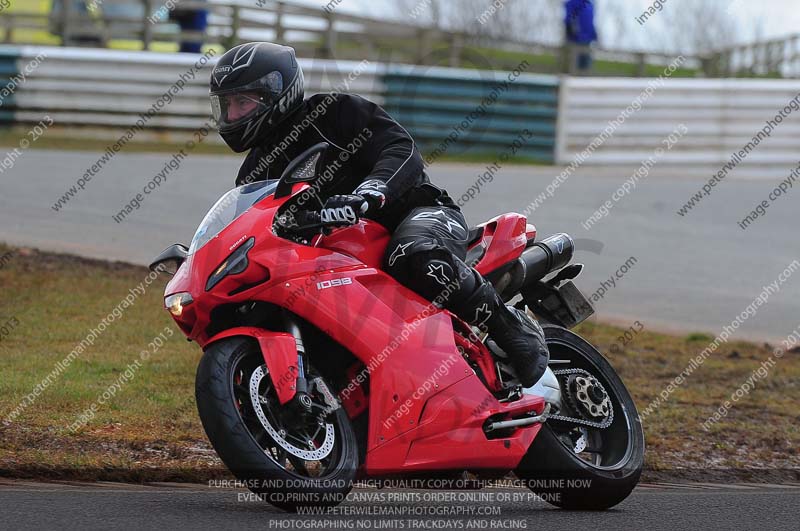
x=517, y=423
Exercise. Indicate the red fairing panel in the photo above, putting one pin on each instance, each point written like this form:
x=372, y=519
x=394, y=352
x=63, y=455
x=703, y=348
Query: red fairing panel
x=452, y=421
x=280, y=355
x=402, y=340
x=505, y=238
x=272, y=261
x=366, y=241
x=423, y=394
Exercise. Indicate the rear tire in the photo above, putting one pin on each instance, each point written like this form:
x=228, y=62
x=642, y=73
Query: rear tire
x=223, y=414
x=554, y=470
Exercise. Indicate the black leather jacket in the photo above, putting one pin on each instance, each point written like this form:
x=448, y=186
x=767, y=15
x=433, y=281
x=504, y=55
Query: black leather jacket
x=365, y=143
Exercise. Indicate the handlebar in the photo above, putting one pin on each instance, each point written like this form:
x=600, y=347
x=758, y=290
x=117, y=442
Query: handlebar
x=313, y=221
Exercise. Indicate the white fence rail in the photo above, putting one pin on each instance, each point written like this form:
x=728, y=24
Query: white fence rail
x=110, y=88
x=103, y=88
x=721, y=115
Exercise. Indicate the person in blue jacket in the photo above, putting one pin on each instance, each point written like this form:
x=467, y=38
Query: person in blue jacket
x=191, y=18
x=580, y=33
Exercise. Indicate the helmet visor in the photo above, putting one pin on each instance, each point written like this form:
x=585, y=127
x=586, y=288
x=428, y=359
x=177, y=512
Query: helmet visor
x=230, y=109
x=238, y=105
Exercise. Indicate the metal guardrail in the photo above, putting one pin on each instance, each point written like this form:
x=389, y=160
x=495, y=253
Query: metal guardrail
x=8, y=69
x=478, y=111
x=721, y=117
x=107, y=88
x=80, y=87
x=437, y=103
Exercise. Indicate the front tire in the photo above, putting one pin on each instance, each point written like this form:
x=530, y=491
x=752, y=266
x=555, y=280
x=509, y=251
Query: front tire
x=260, y=448
x=555, y=469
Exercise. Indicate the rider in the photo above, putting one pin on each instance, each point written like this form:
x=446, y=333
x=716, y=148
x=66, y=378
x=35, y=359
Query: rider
x=257, y=100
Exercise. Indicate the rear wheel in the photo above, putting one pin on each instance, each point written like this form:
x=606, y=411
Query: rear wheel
x=291, y=459
x=595, y=463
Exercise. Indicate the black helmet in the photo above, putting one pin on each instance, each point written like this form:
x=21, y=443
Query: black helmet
x=254, y=87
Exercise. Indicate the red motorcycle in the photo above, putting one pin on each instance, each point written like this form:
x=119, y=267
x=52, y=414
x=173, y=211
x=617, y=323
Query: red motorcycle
x=320, y=369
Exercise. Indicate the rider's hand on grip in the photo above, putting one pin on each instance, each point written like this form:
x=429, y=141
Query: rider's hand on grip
x=374, y=192
x=344, y=209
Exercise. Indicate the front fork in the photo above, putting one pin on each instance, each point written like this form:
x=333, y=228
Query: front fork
x=301, y=399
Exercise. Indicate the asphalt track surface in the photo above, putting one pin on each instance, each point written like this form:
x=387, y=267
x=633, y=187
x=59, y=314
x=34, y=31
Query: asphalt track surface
x=692, y=273
x=29, y=505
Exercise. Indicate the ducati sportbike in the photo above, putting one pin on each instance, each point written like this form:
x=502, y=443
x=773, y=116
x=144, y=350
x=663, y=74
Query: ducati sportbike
x=319, y=369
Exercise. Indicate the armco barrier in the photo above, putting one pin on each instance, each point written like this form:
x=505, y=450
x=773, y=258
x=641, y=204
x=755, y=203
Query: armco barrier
x=111, y=88
x=8, y=70
x=721, y=115
x=482, y=111
x=105, y=88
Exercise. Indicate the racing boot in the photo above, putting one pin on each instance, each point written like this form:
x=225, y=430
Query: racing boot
x=520, y=337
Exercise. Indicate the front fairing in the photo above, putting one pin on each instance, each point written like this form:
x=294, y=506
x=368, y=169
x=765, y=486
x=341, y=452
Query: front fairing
x=228, y=208
x=271, y=262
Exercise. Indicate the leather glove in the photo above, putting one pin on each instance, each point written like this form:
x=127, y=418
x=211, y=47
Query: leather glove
x=374, y=192
x=343, y=208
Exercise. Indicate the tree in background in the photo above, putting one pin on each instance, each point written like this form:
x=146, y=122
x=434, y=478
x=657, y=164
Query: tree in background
x=699, y=27
x=523, y=20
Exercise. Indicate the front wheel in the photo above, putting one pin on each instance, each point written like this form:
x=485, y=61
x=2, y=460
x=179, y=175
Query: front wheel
x=589, y=455
x=290, y=459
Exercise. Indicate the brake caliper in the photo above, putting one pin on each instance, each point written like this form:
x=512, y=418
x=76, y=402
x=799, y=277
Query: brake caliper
x=332, y=404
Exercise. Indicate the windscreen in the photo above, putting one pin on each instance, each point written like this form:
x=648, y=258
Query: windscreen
x=229, y=207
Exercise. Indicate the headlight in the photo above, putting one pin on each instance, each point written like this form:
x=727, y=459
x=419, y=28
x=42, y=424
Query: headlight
x=175, y=303
x=233, y=265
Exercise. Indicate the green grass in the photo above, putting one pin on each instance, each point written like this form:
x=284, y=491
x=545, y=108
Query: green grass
x=30, y=36
x=56, y=301
x=486, y=157
x=479, y=58
x=45, y=38
x=699, y=336
x=150, y=429
x=760, y=431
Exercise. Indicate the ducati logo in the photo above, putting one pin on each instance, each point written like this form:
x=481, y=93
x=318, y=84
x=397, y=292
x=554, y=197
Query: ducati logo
x=240, y=240
x=345, y=214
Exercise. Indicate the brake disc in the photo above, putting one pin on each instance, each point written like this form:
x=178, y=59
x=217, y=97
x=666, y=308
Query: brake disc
x=279, y=436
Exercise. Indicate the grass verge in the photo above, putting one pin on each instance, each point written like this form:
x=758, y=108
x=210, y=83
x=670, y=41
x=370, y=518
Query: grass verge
x=149, y=429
